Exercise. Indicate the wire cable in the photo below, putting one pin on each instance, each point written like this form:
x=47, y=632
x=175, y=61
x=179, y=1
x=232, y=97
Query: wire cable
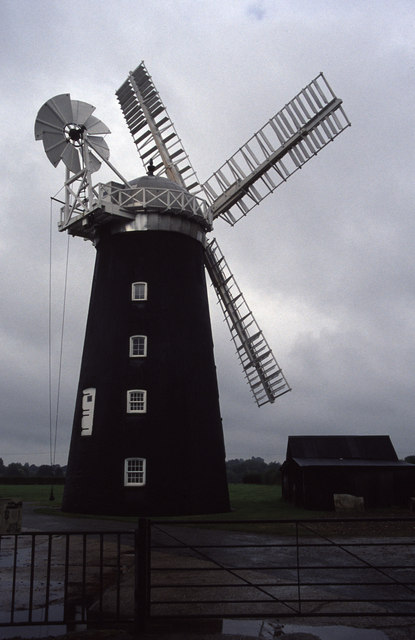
x=53, y=430
x=50, y=333
x=61, y=349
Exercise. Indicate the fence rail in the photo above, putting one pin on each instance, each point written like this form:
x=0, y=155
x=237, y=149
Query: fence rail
x=63, y=578
x=176, y=569
x=311, y=570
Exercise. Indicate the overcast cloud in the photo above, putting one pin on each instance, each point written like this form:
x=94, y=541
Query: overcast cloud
x=326, y=263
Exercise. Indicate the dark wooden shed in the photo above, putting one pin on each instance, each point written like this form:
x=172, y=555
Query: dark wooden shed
x=317, y=467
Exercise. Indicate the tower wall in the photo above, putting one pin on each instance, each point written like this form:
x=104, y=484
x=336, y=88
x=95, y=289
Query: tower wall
x=179, y=436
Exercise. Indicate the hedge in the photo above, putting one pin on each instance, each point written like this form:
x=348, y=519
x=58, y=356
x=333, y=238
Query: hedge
x=30, y=480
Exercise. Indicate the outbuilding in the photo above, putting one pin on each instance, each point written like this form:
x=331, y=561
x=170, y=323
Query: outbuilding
x=317, y=467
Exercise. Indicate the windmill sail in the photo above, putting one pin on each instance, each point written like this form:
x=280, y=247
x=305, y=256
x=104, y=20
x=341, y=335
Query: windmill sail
x=261, y=369
x=284, y=144
x=152, y=130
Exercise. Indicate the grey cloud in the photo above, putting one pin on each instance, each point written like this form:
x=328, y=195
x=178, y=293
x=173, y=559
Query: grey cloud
x=325, y=263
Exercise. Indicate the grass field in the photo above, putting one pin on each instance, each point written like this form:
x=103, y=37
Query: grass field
x=248, y=502
x=38, y=493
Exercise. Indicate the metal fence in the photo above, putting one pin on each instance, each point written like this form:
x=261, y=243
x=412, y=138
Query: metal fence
x=165, y=570
x=65, y=578
x=315, y=568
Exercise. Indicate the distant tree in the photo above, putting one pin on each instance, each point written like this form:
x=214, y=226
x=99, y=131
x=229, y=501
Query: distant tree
x=253, y=471
x=410, y=459
x=15, y=470
x=18, y=470
x=45, y=471
x=273, y=473
x=58, y=471
x=253, y=478
x=235, y=470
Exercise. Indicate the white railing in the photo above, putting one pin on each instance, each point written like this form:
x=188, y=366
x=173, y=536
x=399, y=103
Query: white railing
x=113, y=200
x=154, y=198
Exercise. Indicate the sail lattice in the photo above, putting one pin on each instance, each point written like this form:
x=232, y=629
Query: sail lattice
x=153, y=131
x=261, y=369
x=282, y=146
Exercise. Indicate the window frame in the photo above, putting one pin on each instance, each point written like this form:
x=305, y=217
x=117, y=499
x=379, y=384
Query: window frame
x=131, y=351
x=133, y=291
x=143, y=400
x=128, y=472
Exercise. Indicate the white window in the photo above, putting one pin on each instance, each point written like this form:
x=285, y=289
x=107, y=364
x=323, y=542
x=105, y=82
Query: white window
x=136, y=401
x=139, y=291
x=88, y=405
x=135, y=472
x=138, y=346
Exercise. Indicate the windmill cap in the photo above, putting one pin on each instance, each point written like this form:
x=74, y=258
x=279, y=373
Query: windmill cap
x=156, y=193
x=157, y=182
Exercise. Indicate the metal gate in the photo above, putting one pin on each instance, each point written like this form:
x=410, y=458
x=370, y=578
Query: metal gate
x=314, y=568
x=165, y=570
x=66, y=578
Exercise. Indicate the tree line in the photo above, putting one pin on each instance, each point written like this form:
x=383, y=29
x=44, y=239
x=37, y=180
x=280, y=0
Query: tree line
x=26, y=470
x=252, y=471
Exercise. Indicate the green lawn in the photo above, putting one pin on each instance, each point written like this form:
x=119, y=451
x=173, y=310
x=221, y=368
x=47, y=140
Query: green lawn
x=248, y=502
x=39, y=493
x=261, y=502
x=257, y=502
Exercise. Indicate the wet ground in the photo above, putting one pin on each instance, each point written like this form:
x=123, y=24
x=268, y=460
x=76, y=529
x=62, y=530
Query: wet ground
x=367, y=628
x=230, y=630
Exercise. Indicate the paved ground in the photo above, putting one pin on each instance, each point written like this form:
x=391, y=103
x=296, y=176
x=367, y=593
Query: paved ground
x=33, y=521
x=297, y=629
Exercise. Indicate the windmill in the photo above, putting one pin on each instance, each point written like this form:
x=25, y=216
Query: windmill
x=147, y=434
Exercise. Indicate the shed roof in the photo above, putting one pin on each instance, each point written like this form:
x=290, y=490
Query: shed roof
x=367, y=448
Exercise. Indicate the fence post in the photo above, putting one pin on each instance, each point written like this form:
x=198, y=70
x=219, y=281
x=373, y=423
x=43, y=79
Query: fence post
x=297, y=544
x=142, y=536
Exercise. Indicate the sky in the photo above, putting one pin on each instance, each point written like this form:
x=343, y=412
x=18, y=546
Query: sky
x=325, y=263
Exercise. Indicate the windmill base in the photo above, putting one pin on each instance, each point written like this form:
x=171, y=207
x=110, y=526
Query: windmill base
x=176, y=435
x=184, y=505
